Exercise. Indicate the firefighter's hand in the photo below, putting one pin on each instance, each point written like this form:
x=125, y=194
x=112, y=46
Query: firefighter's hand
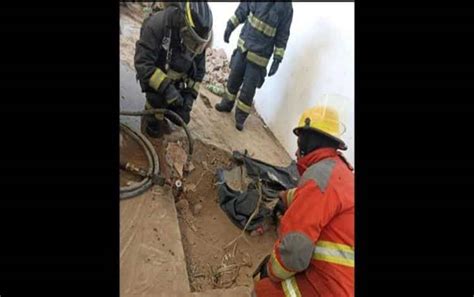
x=274, y=67
x=173, y=97
x=228, y=31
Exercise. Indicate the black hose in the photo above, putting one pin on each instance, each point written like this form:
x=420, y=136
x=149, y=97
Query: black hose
x=153, y=168
x=174, y=115
x=170, y=115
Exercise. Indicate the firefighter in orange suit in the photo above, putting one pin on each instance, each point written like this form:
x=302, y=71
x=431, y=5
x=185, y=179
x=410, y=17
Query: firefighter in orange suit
x=314, y=253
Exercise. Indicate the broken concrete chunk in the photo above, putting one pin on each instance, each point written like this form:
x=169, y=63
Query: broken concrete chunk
x=221, y=53
x=176, y=157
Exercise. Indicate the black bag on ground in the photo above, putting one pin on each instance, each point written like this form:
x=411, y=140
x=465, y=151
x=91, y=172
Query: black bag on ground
x=238, y=191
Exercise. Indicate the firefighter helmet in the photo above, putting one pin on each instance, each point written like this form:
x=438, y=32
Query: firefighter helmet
x=196, y=31
x=324, y=120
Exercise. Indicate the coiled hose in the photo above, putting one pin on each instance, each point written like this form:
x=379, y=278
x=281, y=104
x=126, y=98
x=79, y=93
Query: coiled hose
x=153, y=170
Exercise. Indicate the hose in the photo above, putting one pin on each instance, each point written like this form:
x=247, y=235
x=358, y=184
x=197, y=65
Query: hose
x=170, y=115
x=153, y=169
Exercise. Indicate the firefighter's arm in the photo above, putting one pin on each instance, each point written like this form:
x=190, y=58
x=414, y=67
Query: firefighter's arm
x=200, y=67
x=194, y=82
x=299, y=230
x=146, y=55
x=282, y=35
x=240, y=14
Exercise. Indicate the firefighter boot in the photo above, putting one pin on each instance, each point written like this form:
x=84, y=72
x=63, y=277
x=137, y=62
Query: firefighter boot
x=225, y=105
x=152, y=127
x=155, y=128
x=240, y=117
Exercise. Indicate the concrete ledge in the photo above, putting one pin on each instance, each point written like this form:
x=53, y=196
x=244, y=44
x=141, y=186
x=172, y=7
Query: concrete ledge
x=152, y=260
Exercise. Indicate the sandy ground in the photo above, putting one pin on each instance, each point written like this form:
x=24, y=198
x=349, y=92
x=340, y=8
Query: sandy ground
x=206, y=229
x=171, y=248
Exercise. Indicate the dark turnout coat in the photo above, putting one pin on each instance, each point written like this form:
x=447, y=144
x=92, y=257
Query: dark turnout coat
x=159, y=46
x=266, y=29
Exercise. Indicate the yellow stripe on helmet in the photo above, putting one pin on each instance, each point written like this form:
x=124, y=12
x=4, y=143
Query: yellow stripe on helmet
x=188, y=14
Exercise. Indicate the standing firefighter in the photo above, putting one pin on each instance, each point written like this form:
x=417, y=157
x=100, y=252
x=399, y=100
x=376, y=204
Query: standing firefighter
x=170, y=60
x=314, y=253
x=266, y=31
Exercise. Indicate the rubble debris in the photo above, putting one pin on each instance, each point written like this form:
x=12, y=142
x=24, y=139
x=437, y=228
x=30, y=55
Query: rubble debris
x=176, y=157
x=189, y=167
x=217, y=69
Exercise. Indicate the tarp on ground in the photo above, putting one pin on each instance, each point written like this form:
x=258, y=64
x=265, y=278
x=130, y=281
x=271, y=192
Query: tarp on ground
x=238, y=189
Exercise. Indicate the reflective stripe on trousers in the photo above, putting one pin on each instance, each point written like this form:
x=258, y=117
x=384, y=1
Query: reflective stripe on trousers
x=243, y=107
x=334, y=253
x=229, y=95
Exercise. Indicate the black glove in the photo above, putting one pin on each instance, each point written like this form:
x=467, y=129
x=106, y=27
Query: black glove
x=193, y=86
x=228, y=31
x=274, y=67
x=173, y=97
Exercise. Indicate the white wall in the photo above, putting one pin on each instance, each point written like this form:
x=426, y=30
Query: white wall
x=319, y=59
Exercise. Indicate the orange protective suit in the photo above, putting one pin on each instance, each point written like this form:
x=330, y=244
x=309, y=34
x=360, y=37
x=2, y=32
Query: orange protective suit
x=314, y=253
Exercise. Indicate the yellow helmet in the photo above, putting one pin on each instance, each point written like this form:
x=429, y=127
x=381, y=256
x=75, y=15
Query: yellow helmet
x=322, y=119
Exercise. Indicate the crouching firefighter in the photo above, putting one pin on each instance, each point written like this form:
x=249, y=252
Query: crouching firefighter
x=265, y=32
x=170, y=59
x=314, y=252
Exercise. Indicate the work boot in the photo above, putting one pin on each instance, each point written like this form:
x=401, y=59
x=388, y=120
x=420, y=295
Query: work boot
x=240, y=117
x=225, y=105
x=154, y=128
x=150, y=127
x=153, y=132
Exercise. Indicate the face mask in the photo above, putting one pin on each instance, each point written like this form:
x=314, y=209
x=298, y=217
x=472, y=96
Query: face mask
x=310, y=141
x=193, y=43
